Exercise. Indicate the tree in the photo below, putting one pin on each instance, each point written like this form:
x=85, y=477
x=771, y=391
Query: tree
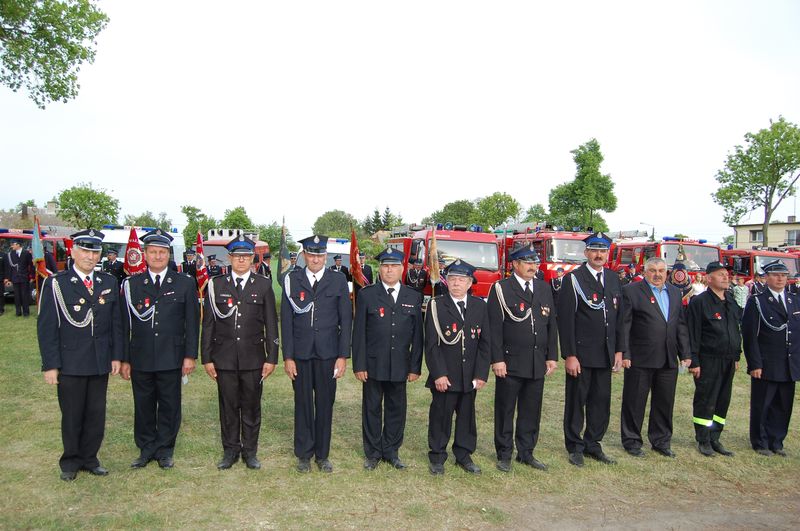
x=43, y=44
x=760, y=175
x=272, y=235
x=85, y=207
x=334, y=223
x=727, y=240
x=496, y=209
x=196, y=222
x=237, y=219
x=389, y=220
x=28, y=203
x=681, y=236
x=535, y=213
x=147, y=219
x=460, y=212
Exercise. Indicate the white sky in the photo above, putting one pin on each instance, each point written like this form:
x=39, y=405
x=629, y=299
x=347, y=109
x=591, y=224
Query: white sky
x=294, y=108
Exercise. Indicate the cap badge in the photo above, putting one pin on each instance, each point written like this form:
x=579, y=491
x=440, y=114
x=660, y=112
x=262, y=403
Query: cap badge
x=241, y=238
x=316, y=239
x=91, y=233
x=158, y=232
x=600, y=235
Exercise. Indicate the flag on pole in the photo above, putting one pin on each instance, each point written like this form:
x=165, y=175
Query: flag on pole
x=285, y=262
x=134, y=261
x=433, y=259
x=37, y=249
x=201, y=273
x=355, y=263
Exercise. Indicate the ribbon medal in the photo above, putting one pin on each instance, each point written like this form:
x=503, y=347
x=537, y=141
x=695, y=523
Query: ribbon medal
x=455, y=328
x=230, y=303
x=652, y=300
x=77, y=307
x=380, y=311
x=302, y=296
x=614, y=300
x=147, y=302
x=522, y=306
x=472, y=330
x=717, y=316
x=101, y=300
x=545, y=311
x=478, y=331
x=594, y=297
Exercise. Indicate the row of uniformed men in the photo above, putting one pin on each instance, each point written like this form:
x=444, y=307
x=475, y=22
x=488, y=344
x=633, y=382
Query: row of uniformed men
x=601, y=327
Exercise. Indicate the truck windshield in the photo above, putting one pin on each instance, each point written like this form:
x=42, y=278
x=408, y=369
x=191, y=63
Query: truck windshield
x=788, y=261
x=478, y=254
x=697, y=256
x=567, y=251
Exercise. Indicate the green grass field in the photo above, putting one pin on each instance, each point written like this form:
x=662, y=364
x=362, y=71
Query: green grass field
x=741, y=492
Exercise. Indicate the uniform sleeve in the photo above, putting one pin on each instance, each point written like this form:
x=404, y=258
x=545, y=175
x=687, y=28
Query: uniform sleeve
x=359, y=338
x=619, y=340
x=271, y=324
x=684, y=348
x=567, y=306
x=117, y=333
x=345, y=320
x=750, y=325
x=417, y=341
x=207, y=338
x=287, y=326
x=624, y=336
x=192, y=326
x=484, y=345
x=694, y=322
x=47, y=328
x=496, y=315
x=552, y=327
x=433, y=353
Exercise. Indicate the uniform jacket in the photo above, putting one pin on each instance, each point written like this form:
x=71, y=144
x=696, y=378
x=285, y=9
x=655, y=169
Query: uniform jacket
x=342, y=270
x=416, y=279
x=648, y=339
x=460, y=365
x=328, y=335
x=214, y=270
x=776, y=352
x=525, y=345
x=19, y=268
x=590, y=334
x=367, y=270
x=243, y=341
x=117, y=269
x=388, y=335
x=86, y=351
x=714, y=327
x=162, y=343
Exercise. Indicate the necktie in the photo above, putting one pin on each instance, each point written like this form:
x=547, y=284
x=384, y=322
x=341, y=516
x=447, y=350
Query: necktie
x=528, y=292
x=462, y=306
x=600, y=281
x=314, y=285
x=158, y=282
x=239, y=286
x=390, y=291
x=780, y=301
x=88, y=283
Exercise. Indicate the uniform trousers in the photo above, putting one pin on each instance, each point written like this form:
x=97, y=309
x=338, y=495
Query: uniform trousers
x=525, y=396
x=440, y=425
x=240, y=410
x=770, y=412
x=712, y=396
x=156, y=411
x=82, y=400
x=588, y=397
x=314, y=395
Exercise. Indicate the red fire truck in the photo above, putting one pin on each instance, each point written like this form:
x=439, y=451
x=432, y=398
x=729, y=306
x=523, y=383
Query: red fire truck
x=473, y=246
x=747, y=262
x=556, y=248
x=698, y=253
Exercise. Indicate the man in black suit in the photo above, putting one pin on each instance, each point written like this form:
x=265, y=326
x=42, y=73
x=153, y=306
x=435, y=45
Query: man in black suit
x=263, y=267
x=770, y=320
x=457, y=355
x=3, y=262
x=189, y=265
x=524, y=337
x=337, y=266
x=589, y=328
x=316, y=325
x=19, y=269
x=556, y=283
x=240, y=350
x=161, y=324
x=387, y=352
x=214, y=268
x=114, y=266
x=80, y=340
x=417, y=277
x=655, y=340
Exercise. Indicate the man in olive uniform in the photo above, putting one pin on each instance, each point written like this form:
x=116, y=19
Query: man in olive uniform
x=715, y=340
x=417, y=277
x=771, y=333
x=457, y=355
x=524, y=337
x=161, y=323
x=316, y=325
x=387, y=352
x=589, y=328
x=114, y=266
x=240, y=350
x=214, y=268
x=80, y=339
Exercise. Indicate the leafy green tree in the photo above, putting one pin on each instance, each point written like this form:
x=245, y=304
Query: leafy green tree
x=43, y=44
x=535, y=213
x=496, y=209
x=86, y=207
x=334, y=223
x=196, y=221
x=147, y=219
x=28, y=203
x=272, y=235
x=237, y=218
x=389, y=220
x=727, y=240
x=461, y=212
x=760, y=175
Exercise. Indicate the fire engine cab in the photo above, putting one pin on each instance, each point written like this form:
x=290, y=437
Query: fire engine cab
x=698, y=253
x=555, y=246
x=747, y=262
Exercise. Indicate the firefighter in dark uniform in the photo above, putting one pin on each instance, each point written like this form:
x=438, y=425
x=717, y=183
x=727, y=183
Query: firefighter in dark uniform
x=114, y=266
x=214, y=268
x=19, y=269
x=367, y=270
x=679, y=277
x=417, y=277
x=3, y=259
x=337, y=266
x=263, y=267
x=522, y=320
x=161, y=323
x=189, y=265
x=457, y=355
x=80, y=339
x=292, y=261
x=556, y=283
x=387, y=352
x=771, y=334
x=316, y=325
x=589, y=328
x=713, y=318
x=440, y=288
x=240, y=350
x=758, y=286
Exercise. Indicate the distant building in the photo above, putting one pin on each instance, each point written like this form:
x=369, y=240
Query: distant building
x=780, y=233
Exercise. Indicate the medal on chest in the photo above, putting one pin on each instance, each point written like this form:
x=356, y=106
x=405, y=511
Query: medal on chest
x=472, y=332
x=614, y=300
x=147, y=302
x=381, y=311
x=652, y=300
x=594, y=298
x=302, y=296
x=230, y=303
x=522, y=306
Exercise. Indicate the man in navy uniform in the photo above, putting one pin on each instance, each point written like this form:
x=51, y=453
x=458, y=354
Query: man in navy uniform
x=457, y=355
x=80, y=339
x=292, y=261
x=367, y=270
x=114, y=266
x=771, y=334
x=387, y=352
x=240, y=350
x=589, y=328
x=161, y=322
x=337, y=266
x=263, y=267
x=19, y=269
x=214, y=268
x=556, y=283
x=3, y=260
x=655, y=341
x=417, y=277
x=524, y=337
x=440, y=288
x=189, y=266
x=316, y=325
x=715, y=340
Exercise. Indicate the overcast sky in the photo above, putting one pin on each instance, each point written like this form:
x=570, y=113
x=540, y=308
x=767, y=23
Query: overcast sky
x=295, y=108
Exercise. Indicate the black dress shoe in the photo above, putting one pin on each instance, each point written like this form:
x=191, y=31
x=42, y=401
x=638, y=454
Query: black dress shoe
x=396, y=463
x=370, y=463
x=717, y=447
x=228, y=460
x=325, y=465
x=635, y=452
x=705, y=449
x=601, y=457
x=304, y=466
x=437, y=469
x=69, y=475
x=251, y=461
x=780, y=452
x=532, y=462
x=96, y=470
x=166, y=462
x=764, y=452
x=666, y=452
x=576, y=458
x=141, y=462
x=470, y=467
x=504, y=465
